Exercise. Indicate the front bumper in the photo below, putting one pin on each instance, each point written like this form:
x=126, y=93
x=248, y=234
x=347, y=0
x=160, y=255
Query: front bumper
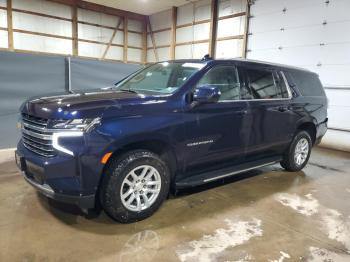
x=83, y=202
x=57, y=178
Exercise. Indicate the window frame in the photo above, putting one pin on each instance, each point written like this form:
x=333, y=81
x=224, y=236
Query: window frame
x=239, y=78
x=275, y=72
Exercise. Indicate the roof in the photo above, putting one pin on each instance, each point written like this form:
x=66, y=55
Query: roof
x=244, y=60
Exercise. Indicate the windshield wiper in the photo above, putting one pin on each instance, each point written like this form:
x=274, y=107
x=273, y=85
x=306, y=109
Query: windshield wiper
x=128, y=90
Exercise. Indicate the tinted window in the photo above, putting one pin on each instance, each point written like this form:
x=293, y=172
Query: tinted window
x=225, y=77
x=308, y=83
x=263, y=84
x=282, y=86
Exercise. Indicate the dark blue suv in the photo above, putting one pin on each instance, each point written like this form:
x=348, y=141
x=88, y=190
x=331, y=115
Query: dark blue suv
x=171, y=125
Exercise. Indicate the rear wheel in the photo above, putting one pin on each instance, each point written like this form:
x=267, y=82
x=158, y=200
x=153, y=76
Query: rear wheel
x=298, y=153
x=135, y=185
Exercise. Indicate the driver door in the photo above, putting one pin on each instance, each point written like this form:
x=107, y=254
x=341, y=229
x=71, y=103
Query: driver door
x=217, y=133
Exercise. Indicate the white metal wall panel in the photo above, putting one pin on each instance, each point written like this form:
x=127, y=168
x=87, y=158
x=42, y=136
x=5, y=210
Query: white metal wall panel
x=45, y=7
x=134, y=25
x=339, y=108
x=115, y=53
x=134, y=39
x=94, y=33
x=231, y=26
x=149, y=41
x=201, y=31
x=335, y=75
x=3, y=39
x=134, y=54
x=196, y=11
x=183, y=51
x=150, y=56
x=229, y=7
x=265, y=7
x=118, y=38
x=97, y=18
x=42, y=43
x=161, y=38
x=202, y=10
x=91, y=50
x=163, y=53
x=41, y=24
x=200, y=50
x=195, y=51
x=185, y=14
x=184, y=34
x=3, y=3
x=3, y=18
x=161, y=20
x=229, y=48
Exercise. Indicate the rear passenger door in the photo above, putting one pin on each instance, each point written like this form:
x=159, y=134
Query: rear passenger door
x=272, y=120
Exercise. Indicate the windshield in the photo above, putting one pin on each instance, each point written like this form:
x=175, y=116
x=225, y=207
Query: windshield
x=161, y=78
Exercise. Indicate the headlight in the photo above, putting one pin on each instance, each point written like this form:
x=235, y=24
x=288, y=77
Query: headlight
x=70, y=128
x=84, y=125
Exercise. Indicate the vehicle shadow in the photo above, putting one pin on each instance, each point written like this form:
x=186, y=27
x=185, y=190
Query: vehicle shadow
x=248, y=187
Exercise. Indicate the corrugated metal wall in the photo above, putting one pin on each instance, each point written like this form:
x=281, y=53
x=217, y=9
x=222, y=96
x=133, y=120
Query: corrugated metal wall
x=315, y=35
x=25, y=75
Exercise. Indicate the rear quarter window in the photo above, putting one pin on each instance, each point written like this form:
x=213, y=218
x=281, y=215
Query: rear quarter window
x=307, y=83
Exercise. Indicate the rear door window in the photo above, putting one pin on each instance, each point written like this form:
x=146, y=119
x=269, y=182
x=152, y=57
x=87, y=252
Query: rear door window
x=264, y=84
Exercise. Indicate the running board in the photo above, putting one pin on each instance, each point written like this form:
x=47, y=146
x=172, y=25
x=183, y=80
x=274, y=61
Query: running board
x=225, y=172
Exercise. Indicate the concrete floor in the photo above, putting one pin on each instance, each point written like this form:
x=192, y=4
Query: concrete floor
x=264, y=215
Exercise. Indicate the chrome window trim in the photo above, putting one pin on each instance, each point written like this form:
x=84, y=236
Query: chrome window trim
x=290, y=96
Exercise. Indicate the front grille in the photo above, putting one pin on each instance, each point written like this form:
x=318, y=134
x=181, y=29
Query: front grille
x=36, y=137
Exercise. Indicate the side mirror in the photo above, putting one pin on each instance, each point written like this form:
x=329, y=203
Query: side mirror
x=206, y=94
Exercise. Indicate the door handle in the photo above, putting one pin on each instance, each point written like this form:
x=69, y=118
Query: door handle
x=282, y=108
x=242, y=112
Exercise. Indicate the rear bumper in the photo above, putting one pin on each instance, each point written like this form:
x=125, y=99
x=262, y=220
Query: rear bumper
x=321, y=131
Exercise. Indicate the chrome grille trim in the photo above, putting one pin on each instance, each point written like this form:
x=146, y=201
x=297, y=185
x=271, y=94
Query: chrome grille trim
x=41, y=142
x=39, y=152
x=36, y=137
x=37, y=146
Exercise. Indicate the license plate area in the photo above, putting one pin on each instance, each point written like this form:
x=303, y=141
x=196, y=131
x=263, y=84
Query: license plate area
x=20, y=162
x=35, y=171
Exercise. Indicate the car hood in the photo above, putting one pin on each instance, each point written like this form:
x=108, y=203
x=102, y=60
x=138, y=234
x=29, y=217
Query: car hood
x=84, y=104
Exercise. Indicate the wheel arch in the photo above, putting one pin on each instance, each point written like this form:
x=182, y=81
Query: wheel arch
x=309, y=127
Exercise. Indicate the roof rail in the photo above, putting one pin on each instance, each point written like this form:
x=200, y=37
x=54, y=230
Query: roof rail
x=206, y=58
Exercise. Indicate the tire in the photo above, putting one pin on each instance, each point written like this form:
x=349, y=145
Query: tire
x=292, y=163
x=120, y=180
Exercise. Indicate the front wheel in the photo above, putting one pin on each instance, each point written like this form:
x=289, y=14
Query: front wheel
x=135, y=185
x=298, y=153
